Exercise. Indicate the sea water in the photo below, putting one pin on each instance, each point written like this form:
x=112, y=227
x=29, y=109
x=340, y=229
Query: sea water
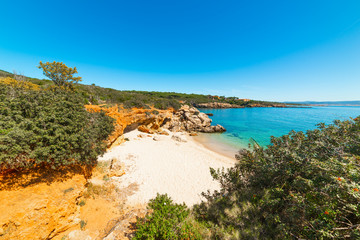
x=259, y=124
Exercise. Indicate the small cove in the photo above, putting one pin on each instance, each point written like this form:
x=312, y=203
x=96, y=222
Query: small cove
x=260, y=124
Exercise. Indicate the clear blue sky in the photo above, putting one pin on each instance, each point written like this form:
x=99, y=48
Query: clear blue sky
x=268, y=50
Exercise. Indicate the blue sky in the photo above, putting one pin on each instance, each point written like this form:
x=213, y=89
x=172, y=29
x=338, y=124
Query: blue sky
x=267, y=50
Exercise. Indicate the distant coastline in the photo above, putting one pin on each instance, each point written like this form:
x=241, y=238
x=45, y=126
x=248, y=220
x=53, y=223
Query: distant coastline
x=354, y=103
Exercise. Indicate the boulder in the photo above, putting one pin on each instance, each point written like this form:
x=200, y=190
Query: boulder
x=191, y=119
x=158, y=138
x=145, y=129
x=179, y=138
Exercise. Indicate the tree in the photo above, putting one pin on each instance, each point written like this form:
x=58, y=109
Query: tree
x=59, y=73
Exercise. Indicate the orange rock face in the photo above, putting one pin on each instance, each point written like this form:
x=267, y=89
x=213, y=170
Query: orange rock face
x=146, y=120
x=59, y=204
x=33, y=208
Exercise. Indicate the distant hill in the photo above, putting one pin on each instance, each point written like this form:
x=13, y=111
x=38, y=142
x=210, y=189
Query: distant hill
x=329, y=103
x=144, y=99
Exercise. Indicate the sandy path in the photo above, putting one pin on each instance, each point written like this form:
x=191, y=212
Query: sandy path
x=180, y=169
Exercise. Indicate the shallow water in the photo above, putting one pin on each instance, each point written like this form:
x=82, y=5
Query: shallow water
x=260, y=124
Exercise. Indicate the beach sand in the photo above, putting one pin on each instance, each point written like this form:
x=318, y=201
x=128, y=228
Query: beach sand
x=164, y=165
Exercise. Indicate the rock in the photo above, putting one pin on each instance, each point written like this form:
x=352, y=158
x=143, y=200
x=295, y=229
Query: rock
x=2, y=231
x=79, y=235
x=158, y=138
x=145, y=129
x=41, y=210
x=193, y=134
x=127, y=120
x=206, y=121
x=191, y=120
x=164, y=132
x=194, y=111
x=185, y=107
x=217, y=105
x=208, y=129
x=210, y=114
x=219, y=128
x=179, y=138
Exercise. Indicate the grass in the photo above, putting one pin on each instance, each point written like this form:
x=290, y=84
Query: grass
x=83, y=224
x=82, y=203
x=68, y=190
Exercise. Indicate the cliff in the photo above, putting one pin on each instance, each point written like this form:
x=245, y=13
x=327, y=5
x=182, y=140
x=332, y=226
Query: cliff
x=40, y=204
x=148, y=120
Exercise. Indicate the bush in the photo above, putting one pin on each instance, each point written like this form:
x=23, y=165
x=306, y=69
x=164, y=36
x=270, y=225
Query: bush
x=167, y=221
x=303, y=186
x=50, y=128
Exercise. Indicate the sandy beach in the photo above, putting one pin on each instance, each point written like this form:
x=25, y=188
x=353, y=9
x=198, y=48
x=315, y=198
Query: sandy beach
x=176, y=165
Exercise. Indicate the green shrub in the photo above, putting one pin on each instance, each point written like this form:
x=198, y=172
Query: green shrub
x=303, y=186
x=50, y=128
x=83, y=224
x=166, y=221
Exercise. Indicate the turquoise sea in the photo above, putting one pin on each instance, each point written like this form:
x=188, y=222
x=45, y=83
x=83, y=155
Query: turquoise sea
x=261, y=123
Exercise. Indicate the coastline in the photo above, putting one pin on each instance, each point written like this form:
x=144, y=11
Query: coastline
x=207, y=141
x=175, y=164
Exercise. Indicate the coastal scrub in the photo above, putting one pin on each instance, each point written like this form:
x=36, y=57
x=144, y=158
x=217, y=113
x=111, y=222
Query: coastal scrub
x=302, y=186
x=48, y=128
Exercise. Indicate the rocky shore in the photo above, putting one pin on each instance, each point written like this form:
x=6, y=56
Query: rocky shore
x=151, y=121
x=228, y=105
x=190, y=119
x=217, y=105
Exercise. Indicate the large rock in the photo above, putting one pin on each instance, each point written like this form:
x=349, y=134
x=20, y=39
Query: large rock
x=179, y=137
x=191, y=119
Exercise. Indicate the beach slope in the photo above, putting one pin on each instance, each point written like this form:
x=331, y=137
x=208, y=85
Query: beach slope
x=174, y=164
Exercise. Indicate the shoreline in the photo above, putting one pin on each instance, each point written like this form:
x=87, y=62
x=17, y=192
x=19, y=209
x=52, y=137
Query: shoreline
x=206, y=140
x=176, y=164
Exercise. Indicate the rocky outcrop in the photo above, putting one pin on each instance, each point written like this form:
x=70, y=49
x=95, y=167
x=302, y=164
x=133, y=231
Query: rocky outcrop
x=151, y=121
x=228, y=105
x=275, y=105
x=191, y=119
x=146, y=120
x=217, y=105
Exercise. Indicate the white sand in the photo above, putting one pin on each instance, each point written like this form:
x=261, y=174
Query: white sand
x=180, y=169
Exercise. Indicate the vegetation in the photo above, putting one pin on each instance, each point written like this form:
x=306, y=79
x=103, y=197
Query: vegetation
x=141, y=99
x=60, y=74
x=48, y=128
x=167, y=221
x=302, y=186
